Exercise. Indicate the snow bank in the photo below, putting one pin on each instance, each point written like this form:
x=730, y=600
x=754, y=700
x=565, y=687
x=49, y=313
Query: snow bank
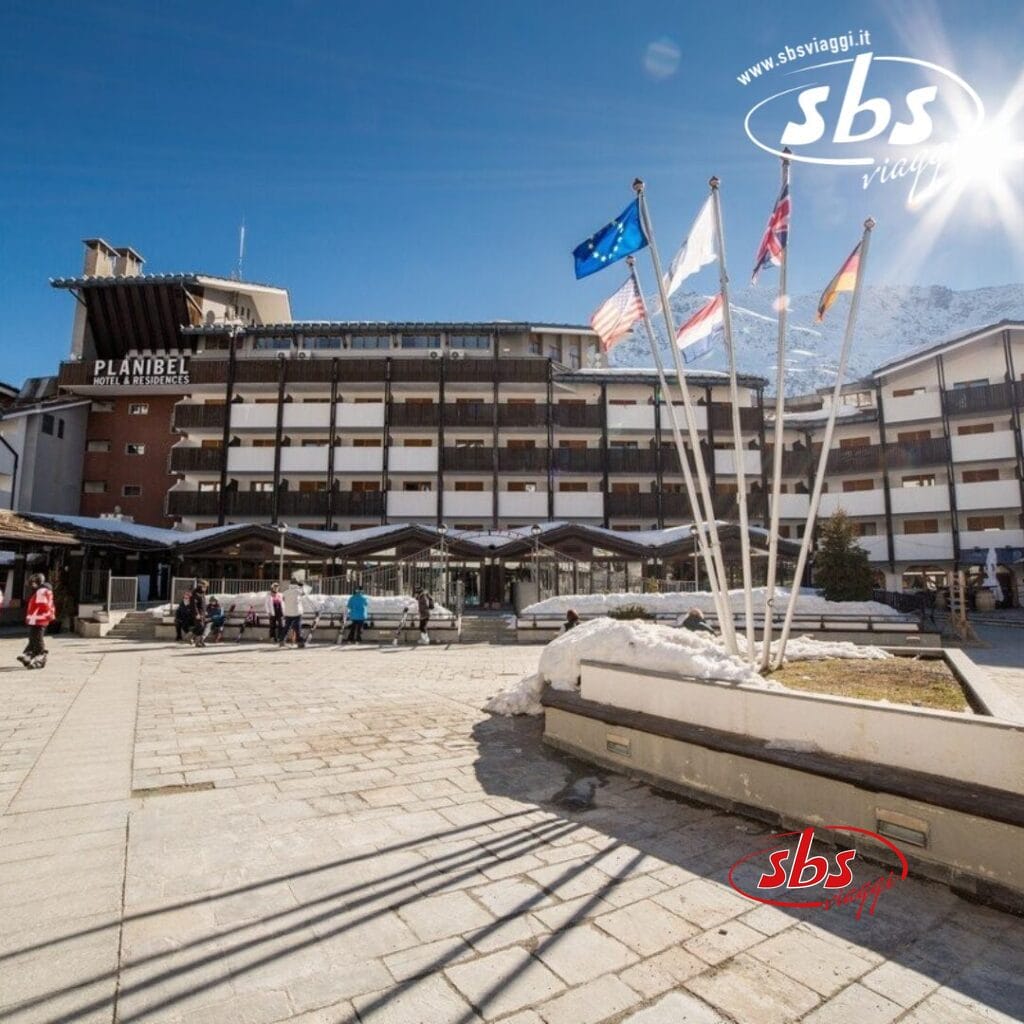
x=327, y=604
x=805, y=648
x=808, y=603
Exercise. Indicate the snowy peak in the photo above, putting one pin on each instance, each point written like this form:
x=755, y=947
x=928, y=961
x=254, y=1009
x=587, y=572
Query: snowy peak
x=892, y=320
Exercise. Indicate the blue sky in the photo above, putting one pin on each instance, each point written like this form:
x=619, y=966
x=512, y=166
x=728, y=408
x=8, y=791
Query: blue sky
x=436, y=161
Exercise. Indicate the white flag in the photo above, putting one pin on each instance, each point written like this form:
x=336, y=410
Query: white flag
x=698, y=249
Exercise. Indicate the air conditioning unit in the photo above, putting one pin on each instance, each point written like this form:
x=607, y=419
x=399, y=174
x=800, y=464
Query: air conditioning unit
x=456, y=353
x=435, y=353
x=302, y=354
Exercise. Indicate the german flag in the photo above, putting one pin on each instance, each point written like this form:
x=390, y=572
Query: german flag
x=844, y=281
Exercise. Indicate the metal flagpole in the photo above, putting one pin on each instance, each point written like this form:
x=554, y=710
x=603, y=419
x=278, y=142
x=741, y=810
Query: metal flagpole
x=720, y=578
x=737, y=437
x=779, y=438
x=826, y=444
x=691, y=492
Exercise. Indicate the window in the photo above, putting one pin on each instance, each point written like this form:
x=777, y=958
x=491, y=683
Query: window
x=416, y=485
x=921, y=526
x=521, y=486
x=907, y=392
x=316, y=442
x=913, y=436
x=261, y=486
x=572, y=486
x=621, y=401
x=322, y=343
x=469, y=442
x=535, y=348
x=369, y=401
x=264, y=442
x=419, y=401
x=316, y=401
x=475, y=341
x=94, y=487
x=97, y=446
x=273, y=344
x=628, y=445
x=576, y=444
x=365, y=486
x=134, y=448
x=919, y=480
x=48, y=422
x=625, y=488
x=312, y=486
x=470, y=401
x=980, y=476
x=861, y=399
x=469, y=485
x=213, y=486
x=60, y=427
x=138, y=409
x=864, y=529
x=855, y=442
x=979, y=382
x=364, y=341
x=858, y=485
x=366, y=442
x=421, y=341
x=985, y=523
x=417, y=442
x=131, y=491
x=101, y=407
x=519, y=442
x=783, y=531
x=976, y=428
x=211, y=442
x=522, y=401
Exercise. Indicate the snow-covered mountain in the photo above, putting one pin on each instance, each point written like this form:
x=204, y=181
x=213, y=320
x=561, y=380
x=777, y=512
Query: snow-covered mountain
x=892, y=320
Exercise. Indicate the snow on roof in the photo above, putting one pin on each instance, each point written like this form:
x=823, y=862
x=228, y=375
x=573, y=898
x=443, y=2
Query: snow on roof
x=919, y=352
x=343, y=538
x=135, y=531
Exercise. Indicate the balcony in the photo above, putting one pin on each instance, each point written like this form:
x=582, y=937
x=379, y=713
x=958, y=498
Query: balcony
x=195, y=460
x=923, y=548
x=577, y=417
x=413, y=414
x=359, y=503
x=577, y=460
x=192, y=416
x=415, y=504
x=471, y=370
x=573, y=505
x=876, y=547
x=984, y=398
x=523, y=460
x=358, y=460
x=299, y=503
x=924, y=406
x=982, y=447
x=721, y=418
x=631, y=417
x=307, y=460
x=794, y=506
x=416, y=371
x=412, y=460
x=994, y=494
x=633, y=505
x=522, y=371
x=725, y=462
x=193, y=503
x=471, y=460
x=986, y=539
x=798, y=463
x=251, y=460
x=74, y=374
x=306, y=416
x=469, y=414
x=522, y=505
x=360, y=415
x=632, y=460
x=920, y=499
x=526, y=415
x=475, y=504
x=253, y=416
x=898, y=455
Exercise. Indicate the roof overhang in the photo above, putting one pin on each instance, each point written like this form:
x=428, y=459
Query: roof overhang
x=950, y=345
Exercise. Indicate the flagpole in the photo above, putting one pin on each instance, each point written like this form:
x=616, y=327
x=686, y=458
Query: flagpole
x=720, y=579
x=737, y=437
x=826, y=444
x=779, y=439
x=684, y=462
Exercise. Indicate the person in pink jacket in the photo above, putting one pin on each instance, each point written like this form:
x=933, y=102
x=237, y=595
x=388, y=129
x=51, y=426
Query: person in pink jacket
x=39, y=613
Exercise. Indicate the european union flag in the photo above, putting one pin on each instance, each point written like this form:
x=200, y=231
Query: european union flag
x=613, y=242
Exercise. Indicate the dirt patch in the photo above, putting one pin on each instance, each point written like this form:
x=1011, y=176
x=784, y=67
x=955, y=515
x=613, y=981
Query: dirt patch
x=924, y=684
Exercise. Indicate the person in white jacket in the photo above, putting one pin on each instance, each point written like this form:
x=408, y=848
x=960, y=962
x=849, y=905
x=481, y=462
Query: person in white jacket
x=291, y=599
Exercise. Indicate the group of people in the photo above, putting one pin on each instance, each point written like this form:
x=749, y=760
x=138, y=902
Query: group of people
x=201, y=620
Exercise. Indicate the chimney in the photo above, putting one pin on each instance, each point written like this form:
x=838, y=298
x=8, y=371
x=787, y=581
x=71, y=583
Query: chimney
x=128, y=262
x=100, y=258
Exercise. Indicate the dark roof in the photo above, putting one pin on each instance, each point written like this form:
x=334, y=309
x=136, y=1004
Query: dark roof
x=649, y=375
x=390, y=326
x=19, y=529
x=138, y=280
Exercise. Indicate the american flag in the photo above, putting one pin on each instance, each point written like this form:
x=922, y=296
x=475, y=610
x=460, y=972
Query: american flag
x=614, y=318
x=769, y=252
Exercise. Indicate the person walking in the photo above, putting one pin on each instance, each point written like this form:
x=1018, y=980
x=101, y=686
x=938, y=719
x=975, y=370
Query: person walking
x=275, y=612
x=291, y=601
x=357, y=612
x=424, y=605
x=198, y=607
x=183, y=617
x=41, y=611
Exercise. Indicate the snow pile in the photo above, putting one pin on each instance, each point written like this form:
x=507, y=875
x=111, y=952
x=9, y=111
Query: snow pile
x=808, y=603
x=804, y=648
x=326, y=604
x=521, y=699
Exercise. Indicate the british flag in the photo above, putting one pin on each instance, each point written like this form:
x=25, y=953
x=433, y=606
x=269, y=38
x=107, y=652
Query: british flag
x=769, y=252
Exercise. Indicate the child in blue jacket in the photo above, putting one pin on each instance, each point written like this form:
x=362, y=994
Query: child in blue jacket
x=357, y=609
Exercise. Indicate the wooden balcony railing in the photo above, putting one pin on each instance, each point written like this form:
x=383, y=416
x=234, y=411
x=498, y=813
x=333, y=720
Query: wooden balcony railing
x=632, y=460
x=586, y=417
x=192, y=416
x=720, y=417
x=523, y=460
x=474, y=460
x=261, y=503
x=193, y=503
x=468, y=414
x=522, y=415
x=577, y=460
x=74, y=373
x=522, y=371
x=643, y=505
x=983, y=398
x=410, y=414
x=196, y=460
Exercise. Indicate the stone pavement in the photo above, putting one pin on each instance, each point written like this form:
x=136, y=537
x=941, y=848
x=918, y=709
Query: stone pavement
x=243, y=835
x=1002, y=656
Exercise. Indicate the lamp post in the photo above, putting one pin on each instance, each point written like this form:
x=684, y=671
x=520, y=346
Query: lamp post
x=282, y=529
x=535, y=533
x=442, y=532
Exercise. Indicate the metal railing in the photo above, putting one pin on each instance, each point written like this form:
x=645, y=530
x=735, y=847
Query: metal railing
x=122, y=593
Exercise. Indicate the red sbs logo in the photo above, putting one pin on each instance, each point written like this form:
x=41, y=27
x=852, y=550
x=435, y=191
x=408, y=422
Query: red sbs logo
x=790, y=874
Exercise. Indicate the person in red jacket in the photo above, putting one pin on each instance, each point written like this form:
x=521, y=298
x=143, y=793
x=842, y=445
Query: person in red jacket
x=40, y=613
